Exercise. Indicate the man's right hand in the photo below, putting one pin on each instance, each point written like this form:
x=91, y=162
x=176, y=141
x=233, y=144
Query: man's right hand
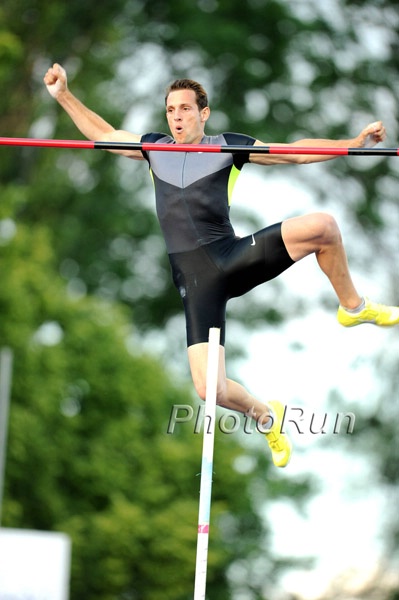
x=56, y=80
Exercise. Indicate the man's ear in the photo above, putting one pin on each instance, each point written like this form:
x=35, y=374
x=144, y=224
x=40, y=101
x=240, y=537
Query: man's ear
x=205, y=113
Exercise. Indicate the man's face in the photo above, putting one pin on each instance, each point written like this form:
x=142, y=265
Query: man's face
x=186, y=122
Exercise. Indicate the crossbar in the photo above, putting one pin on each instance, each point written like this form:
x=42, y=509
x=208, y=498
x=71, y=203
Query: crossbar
x=235, y=149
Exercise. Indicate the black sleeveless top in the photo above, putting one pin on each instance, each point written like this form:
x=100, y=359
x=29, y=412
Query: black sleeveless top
x=193, y=190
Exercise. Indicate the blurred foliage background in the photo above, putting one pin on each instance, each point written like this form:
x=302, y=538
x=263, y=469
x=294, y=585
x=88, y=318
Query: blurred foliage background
x=85, y=292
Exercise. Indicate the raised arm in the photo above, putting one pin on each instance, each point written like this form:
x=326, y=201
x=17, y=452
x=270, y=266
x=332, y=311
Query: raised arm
x=368, y=137
x=88, y=122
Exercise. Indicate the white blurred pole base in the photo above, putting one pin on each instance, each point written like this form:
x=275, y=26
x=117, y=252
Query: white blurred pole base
x=6, y=360
x=207, y=465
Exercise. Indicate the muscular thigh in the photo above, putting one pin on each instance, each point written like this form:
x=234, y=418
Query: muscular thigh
x=307, y=234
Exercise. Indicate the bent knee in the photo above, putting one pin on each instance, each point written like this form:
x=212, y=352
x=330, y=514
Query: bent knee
x=201, y=389
x=311, y=233
x=328, y=230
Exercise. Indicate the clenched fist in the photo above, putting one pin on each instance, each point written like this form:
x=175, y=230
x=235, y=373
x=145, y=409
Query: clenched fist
x=372, y=134
x=56, y=80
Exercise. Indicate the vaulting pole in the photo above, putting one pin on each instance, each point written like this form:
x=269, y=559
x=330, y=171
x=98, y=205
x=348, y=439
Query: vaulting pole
x=147, y=147
x=6, y=358
x=207, y=465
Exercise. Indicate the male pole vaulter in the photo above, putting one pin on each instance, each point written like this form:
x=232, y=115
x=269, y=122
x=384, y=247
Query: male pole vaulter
x=210, y=264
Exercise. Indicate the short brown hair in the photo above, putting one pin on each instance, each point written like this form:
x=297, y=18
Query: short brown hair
x=189, y=84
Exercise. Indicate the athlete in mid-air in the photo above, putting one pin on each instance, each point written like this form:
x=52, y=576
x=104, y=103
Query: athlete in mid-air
x=210, y=264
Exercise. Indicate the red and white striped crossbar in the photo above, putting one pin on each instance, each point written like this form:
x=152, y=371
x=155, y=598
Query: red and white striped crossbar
x=147, y=147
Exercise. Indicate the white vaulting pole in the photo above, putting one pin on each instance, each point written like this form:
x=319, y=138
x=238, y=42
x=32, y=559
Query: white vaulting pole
x=6, y=358
x=207, y=465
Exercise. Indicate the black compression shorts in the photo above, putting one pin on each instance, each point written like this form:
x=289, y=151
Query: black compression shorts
x=210, y=275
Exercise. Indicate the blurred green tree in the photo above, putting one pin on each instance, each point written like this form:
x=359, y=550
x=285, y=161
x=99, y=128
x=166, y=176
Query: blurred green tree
x=89, y=453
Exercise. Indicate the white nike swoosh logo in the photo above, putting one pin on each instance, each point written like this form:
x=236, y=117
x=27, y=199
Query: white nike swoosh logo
x=253, y=241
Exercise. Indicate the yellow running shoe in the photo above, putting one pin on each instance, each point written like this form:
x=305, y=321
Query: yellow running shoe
x=377, y=314
x=279, y=443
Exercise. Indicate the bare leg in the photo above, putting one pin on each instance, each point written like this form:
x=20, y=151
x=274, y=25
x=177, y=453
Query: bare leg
x=234, y=396
x=319, y=233
x=230, y=394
